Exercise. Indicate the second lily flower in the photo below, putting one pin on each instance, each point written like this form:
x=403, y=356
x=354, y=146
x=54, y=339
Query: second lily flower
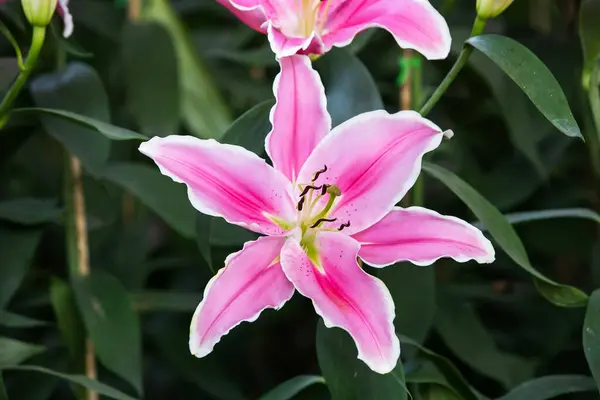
x=328, y=200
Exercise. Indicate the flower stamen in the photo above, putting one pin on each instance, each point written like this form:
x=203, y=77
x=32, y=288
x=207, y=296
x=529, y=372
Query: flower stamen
x=321, y=220
x=344, y=225
x=319, y=172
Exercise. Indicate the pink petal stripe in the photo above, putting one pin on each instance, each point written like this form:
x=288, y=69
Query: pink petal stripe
x=250, y=282
x=299, y=117
x=248, y=11
x=225, y=180
x=415, y=24
x=422, y=236
x=346, y=296
x=374, y=158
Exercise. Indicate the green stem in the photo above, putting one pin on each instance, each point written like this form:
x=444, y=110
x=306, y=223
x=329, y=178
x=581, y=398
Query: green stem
x=37, y=41
x=8, y=35
x=461, y=61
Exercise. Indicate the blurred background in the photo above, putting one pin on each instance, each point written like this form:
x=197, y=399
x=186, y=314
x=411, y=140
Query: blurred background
x=162, y=67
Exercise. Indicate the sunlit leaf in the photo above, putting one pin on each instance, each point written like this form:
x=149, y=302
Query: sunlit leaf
x=290, y=388
x=532, y=76
x=112, y=324
x=506, y=237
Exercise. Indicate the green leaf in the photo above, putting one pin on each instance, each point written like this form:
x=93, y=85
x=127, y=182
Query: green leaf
x=203, y=110
x=111, y=132
x=68, y=320
x=549, y=387
x=163, y=196
x=349, y=86
x=452, y=375
x=348, y=377
x=14, y=352
x=251, y=129
x=477, y=349
x=589, y=33
x=203, y=223
x=591, y=335
x=11, y=320
x=439, y=392
x=506, y=237
x=530, y=216
x=84, y=381
x=532, y=76
x=112, y=324
x=3, y=395
x=30, y=211
x=150, y=69
x=76, y=88
x=413, y=291
x=17, y=249
x=152, y=301
x=290, y=388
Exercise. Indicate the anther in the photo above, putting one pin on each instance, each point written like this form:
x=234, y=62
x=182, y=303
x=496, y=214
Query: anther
x=300, y=204
x=320, y=220
x=308, y=188
x=344, y=225
x=319, y=172
x=324, y=189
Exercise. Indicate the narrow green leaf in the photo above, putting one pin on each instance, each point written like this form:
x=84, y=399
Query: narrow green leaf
x=477, y=349
x=530, y=216
x=591, y=335
x=163, y=196
x=112, y=132
x=251, y=129
x=290, y=388
x=112, y=324
x=3, y=395
x=203, y=110
x=84, y=381
x=349, y=86
x=549, y=387
x=30, y=211
x=67, y=317
x=150, y=68
x=506, y=237
x=76, y=88
x=17, y=249
x=14, y=352
x=451, y=374
x=348, y=377
x=11, y=320
x=589, y=33
x=151, y=301
x=532, y=76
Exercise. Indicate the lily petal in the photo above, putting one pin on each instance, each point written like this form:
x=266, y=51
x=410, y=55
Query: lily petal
x=415, y=24
x=248, y=11
x=422, y=236
x=250, y=282
x=299, y=117
x=63, y=10
x=284, y=46
x=226, y=181
x=374, y=158
x=345, y=295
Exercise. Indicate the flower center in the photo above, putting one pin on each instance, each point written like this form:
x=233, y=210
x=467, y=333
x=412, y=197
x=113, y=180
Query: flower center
x=309, y=17
x=311, y=212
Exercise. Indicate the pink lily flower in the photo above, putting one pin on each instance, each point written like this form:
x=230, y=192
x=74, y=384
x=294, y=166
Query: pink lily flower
x=328, y=200
x=315, y=26
x=63, y=11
